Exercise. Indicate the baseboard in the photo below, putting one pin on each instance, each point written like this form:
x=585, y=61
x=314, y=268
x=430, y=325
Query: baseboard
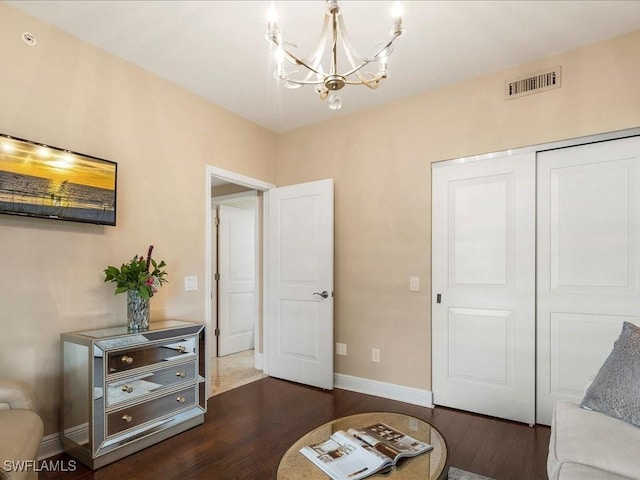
x=51, y=445
x=391, y=391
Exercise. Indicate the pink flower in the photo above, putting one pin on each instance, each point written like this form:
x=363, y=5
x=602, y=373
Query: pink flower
x=154, y=283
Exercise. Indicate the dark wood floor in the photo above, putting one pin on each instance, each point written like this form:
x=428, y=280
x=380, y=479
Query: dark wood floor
x=247, y=430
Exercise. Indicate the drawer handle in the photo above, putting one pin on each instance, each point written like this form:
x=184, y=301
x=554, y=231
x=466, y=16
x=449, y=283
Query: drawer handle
x=127, y=418
x=126, y=359
x=127, y=388
x=182, y=349
x=181, y=374
x=181, y=399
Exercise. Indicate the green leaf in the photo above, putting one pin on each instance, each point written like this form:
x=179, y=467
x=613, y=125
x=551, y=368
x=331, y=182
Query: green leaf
x=134, y=275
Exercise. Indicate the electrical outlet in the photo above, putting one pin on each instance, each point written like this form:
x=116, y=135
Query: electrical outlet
x=375, y=355
x=341, y=349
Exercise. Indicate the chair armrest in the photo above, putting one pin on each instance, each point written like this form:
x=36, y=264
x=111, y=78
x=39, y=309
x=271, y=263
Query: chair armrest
x=16, y=394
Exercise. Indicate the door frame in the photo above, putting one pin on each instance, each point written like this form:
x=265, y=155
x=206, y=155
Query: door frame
x=245, y=181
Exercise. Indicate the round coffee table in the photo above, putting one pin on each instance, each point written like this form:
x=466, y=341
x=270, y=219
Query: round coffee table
x=433, y=465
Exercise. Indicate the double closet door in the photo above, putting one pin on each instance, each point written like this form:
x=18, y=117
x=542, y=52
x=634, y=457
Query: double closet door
x=535, y=265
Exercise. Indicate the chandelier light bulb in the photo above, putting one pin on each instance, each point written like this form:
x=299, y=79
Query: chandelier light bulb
x=384, y=71
x=272, y=14
x=397, y=10
x=396, y=13
x=335, y=102
x=272, y=25
x=279, y=72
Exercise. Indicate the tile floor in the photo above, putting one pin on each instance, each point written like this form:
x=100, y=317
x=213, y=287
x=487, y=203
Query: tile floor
x=232, y=371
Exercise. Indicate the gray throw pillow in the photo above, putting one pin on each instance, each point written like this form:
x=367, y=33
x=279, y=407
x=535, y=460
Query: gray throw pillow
x=616, y=389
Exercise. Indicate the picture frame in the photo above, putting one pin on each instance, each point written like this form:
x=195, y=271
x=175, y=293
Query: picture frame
x=38, y=180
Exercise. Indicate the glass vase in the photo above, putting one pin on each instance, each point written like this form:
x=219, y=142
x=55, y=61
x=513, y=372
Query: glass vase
x=137, y=312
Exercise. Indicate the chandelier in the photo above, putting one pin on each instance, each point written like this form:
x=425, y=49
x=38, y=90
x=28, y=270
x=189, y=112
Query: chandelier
x=328, y=79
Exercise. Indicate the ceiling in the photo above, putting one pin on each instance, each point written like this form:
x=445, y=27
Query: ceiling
x=218, y=50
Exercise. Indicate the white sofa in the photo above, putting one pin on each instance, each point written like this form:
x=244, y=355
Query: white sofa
x=588, y=445
x=20, y=431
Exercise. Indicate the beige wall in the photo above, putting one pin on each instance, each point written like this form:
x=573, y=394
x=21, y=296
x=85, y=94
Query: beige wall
x=380, y=160
x=69, y=94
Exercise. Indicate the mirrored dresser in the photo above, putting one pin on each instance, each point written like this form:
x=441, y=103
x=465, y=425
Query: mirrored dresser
x=125, y=391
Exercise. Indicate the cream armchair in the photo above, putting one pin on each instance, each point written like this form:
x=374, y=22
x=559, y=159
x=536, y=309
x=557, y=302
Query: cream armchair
x=21, y=431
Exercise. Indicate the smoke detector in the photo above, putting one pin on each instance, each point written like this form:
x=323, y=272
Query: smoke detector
x=29, y=39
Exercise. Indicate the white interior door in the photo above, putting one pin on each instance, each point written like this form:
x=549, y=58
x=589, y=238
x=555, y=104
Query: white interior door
x=588, y=262
x=237, y=287
x=483, y=277
x=300, y=283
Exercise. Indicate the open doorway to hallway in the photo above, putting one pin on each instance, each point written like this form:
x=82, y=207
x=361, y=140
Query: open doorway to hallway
x=234, y=306
x=235, y=296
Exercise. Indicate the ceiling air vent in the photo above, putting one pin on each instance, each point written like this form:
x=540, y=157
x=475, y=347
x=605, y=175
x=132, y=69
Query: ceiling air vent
x=533, y=83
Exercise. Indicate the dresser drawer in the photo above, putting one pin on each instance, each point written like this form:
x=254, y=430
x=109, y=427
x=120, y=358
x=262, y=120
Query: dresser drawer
x=137, y=386
x=136, y=415
x=148, y=355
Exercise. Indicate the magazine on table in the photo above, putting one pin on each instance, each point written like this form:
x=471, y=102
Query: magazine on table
x=360, y=452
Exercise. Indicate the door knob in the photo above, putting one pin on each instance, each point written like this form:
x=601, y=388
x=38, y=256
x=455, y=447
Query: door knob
x=324, y=294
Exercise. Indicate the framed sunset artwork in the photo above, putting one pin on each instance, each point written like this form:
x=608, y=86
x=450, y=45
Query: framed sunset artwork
x=39, y=180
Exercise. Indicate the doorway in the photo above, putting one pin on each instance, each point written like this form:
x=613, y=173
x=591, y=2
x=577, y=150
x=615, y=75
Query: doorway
x=235, y=314
x=239, y=359
x=299, y=217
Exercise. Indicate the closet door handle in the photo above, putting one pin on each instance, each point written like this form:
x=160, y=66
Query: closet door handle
x=324, y=294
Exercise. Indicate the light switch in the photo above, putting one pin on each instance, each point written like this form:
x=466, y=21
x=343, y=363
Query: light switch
x=414, y=284
x=190, y=283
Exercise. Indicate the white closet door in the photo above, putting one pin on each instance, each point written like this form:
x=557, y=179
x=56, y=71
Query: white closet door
x=588, y=262
x=483, y=261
